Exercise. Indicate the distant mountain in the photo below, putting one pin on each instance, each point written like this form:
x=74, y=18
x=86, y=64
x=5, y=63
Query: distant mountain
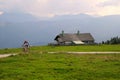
x=72, y=17
x=17, y=17
x=41, y=32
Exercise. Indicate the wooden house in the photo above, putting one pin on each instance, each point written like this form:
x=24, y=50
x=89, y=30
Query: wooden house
x=74, y=39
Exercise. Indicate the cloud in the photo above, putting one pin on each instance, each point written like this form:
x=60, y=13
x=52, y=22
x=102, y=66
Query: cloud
x=110, y=3
x=109, y=7
x=59, y=7
x=1, y=12
x=49, y=8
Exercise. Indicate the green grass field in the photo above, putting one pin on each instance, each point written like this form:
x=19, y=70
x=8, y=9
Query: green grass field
x=82, y=48
x=37, y=66
x=40, y=65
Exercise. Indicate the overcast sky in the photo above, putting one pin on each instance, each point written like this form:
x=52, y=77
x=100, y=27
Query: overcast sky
x=50, y=8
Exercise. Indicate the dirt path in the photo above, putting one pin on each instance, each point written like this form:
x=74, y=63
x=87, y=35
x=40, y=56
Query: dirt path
x=6, y=55
x=88, y=52
x=94, y=52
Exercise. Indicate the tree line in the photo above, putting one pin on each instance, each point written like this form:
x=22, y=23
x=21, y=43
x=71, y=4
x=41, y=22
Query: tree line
x=114, y=40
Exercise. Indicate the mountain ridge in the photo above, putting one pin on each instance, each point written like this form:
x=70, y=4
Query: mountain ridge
x=12, y=34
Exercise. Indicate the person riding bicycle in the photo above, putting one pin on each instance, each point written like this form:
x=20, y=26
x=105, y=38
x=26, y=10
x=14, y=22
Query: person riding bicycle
x=26, y=46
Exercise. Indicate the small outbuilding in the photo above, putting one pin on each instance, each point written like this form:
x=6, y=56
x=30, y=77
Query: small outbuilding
x=74, y=39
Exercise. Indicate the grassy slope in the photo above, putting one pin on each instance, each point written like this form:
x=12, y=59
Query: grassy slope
x=79, y=48
x=36, y=66
x=85, y=48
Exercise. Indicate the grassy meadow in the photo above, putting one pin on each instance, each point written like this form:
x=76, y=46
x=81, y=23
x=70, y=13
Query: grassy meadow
x=62, y=49
x=82, y=48
x=40, y=65
x=60, y=67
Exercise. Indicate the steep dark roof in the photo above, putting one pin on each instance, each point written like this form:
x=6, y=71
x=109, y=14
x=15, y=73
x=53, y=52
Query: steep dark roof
x=85, y=37
x=74, y=37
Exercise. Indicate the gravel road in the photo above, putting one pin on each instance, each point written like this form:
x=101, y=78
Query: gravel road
x=7, y=55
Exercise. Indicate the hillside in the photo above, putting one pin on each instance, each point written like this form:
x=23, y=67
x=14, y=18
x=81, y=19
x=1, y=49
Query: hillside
x=37, y=66
x=64, y=49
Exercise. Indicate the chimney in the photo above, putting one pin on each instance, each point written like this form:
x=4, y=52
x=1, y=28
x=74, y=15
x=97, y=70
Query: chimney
x=62, y=32
x=78, y=32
